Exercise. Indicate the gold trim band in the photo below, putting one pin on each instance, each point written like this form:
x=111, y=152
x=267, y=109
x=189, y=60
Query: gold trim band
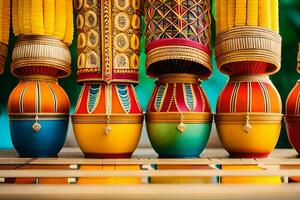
x=249, y=78
x=178, y=52
x=186, y=117
x=108, y=119
x=41, y=51
x=178, y=78
x=253, y=118
x=247, y=43
x=41, y=116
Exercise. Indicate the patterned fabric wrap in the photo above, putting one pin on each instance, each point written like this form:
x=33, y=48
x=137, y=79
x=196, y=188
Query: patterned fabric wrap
x=249, y=96
x=38, y=97
x=292, y=106
x=108, y=42
x=178, y=97
x=108, y=99
x=178, y=31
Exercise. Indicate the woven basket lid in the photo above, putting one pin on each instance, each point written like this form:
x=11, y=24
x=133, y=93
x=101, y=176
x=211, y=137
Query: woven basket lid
x=248, y=50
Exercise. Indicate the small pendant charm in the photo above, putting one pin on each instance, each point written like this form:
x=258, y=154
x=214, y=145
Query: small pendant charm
x=108, y=130
x=247, y=127
x=181, y=127
x=36, y=127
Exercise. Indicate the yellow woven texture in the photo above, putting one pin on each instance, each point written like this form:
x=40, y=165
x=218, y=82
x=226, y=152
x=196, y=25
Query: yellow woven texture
x=43, y=17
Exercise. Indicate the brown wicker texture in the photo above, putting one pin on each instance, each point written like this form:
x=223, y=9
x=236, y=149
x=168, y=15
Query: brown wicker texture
x=40, y=55
x=248, y=50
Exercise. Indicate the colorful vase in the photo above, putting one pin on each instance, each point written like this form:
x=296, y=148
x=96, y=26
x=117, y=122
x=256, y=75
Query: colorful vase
x=39, y=118
x=108, y=120
x=38, y=107
x=178, y=37
x=178, y=116
x=247, y=40
x=249, y=116
x=292, y=118
x=4, y=31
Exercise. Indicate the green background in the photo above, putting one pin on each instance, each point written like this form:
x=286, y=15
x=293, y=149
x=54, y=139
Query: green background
x=284, y=80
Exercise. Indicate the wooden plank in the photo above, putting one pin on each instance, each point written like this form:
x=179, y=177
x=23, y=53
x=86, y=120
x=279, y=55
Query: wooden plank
x=150, y=192
x=146, y=173
x=15, y=161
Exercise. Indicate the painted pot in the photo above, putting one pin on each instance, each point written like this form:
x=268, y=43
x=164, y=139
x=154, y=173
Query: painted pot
x=178, y=37
x=292, y=118
x=178, y=116
x=39, y=118
x=108, y=120
x=249, y=116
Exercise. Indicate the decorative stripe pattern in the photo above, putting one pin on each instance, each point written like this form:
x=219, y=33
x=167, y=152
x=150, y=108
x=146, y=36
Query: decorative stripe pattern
x=124, y=97
x=36, y=97
x=189, y=96
x=249, y=96
x=292, y=106
x=178, y=97
x=93, y=97
x=159, y=97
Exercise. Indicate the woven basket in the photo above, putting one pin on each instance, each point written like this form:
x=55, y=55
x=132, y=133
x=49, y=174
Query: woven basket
x=248, y=50
x=40, y=55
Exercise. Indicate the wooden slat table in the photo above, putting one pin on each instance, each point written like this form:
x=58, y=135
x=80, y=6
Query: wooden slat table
x=282, y=162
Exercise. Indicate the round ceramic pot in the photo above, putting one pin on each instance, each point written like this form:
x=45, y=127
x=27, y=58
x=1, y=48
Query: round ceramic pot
x=178, y=116
x=249, y=117
x=183, y=46
x=292, y=118
x=39, y=118
x=107, y=121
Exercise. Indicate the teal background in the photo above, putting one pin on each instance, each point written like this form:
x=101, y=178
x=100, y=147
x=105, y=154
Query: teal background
x=284, y=80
